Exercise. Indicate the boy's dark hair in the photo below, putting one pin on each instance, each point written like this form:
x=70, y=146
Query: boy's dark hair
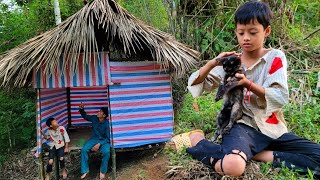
x=49, y=120
x=252, y=10
x=104, y=110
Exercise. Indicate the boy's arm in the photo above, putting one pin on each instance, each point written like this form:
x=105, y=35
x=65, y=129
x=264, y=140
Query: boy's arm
x=44, y=134
x=205, y=70
x=85, y=116
x=255, y=88
x=66, y=147
x=273, y=93
x=66, y=138
x=65, y=135
x=208, y=77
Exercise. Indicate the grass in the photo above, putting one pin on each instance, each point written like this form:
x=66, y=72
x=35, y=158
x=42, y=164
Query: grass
x=188, y=118
x=302, y=115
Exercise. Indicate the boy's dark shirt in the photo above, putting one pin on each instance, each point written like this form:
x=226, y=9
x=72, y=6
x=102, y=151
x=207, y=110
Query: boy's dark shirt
x=100, y=131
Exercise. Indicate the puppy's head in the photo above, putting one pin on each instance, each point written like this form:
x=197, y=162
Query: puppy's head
x=230, y=64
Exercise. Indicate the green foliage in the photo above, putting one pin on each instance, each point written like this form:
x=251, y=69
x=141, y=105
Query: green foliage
x=152, y=12
x=301, y=23
x=303, y=115
x=187, y=118
x=30, y=19
x=17, y=121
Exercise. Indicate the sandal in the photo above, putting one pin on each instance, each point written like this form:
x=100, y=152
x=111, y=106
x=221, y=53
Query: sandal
x=84, y=175
x=183, y=140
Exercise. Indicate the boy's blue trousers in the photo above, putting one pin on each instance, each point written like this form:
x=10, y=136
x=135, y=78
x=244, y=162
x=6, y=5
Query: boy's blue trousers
x=104, y=150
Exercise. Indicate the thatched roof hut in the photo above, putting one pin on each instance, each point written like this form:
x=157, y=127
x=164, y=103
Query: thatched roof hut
x=98, y=26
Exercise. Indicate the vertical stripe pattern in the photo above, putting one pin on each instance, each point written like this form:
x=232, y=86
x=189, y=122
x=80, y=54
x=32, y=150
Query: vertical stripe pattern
x=38, y=123
x=93, y=74
x=141, y=104
x=93, y=99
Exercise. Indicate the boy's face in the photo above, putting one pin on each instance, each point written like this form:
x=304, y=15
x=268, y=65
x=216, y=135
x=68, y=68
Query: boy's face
x=54, y=124
x=251, y=36
x=101, y=114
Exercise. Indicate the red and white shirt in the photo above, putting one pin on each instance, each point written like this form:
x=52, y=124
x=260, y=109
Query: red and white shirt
x=263, y=114
x=57, y=138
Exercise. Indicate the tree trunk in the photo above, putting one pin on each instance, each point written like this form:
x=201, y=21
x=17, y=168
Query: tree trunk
x=57, y=12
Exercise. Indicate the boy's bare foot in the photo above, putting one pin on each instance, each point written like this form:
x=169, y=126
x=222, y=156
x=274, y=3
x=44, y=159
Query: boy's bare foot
x=47, y=176
x=64, y=173
x=102, y=176
x=84, y=175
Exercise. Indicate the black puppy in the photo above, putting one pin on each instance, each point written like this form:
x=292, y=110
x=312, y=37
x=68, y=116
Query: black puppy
x=232, y=95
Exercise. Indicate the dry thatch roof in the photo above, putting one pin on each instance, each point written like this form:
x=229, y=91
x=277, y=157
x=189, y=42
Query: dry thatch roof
x=79, y=34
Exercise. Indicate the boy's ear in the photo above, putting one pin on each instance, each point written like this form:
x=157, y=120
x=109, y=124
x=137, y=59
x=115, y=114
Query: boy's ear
x=267, y=31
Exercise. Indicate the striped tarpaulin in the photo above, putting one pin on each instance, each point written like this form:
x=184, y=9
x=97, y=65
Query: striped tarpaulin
x=92, y=74
x=93, y=99
x=39, y=138
x=141, y=104
x=53, y=103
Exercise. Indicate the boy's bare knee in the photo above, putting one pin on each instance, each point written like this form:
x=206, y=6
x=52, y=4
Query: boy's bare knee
x=232, y=164
x=51, y=161
x=61, y=158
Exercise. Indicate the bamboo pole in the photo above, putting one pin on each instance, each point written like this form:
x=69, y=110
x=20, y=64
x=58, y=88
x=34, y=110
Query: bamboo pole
x=38, y=128
x=41, y=167
x=113, y=152
x=57, y=12
x=114, y=165
x=69, y=106
x=56, y=167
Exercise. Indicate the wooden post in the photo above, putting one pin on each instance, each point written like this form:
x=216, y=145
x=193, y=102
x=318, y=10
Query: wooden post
x=41, y=167
x=113, y=152
x=39, y=138
x=114, y=165
x=69, y=106
x=56, y=167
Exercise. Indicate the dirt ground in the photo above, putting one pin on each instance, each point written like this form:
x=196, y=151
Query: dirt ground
x=131, y=165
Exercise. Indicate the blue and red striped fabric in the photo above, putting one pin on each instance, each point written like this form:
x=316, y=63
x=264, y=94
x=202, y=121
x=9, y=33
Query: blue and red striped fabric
x=93, y=99
x=141, y=104
x=92, y=74
x=39, y=136
x=140, y=100
x=53, y=103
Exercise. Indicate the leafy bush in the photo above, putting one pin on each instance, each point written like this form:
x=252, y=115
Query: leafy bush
x=17, y=121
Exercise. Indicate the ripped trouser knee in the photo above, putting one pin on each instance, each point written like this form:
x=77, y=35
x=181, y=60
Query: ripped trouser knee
x=206, y=152
x=49, y=168
x=235, y=153
x=62, y=163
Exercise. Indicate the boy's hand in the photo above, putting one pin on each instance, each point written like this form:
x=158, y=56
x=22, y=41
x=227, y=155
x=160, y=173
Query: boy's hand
x=66, y=150
x=225, y=54
x=243, y=81
x=81, y=106
x=96, y=147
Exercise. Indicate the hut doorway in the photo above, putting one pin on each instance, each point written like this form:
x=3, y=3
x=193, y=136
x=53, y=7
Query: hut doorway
x=137, y=94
